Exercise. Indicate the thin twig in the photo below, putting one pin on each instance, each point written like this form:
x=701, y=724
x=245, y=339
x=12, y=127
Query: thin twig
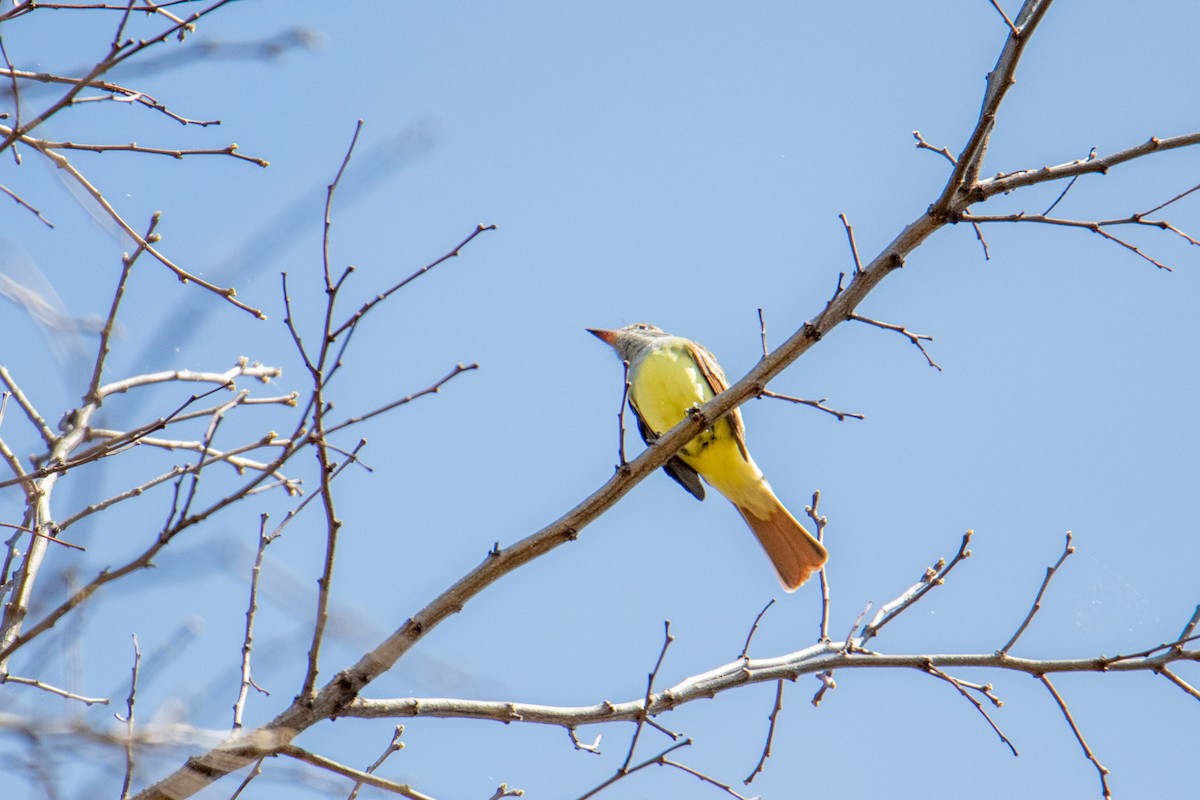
x=1094, y=226
x=1012, y=28
x=637, y=731
x=23, y=203
x=402, y=789
x=754, y=628
x=247, y=680
x=1037, y=601
x=45, y=687
x=820, y=521
x=366, y=307
x=1180, y=682
x=934, y=576
x=962, y=690
x=621, y=413
x=766, y=751
x=1066, y=189
x=433, y=389
x=1087, y=751
x=924, y=145
x=915, y=338
x=593, y=748
x=625, y=773
x=129, y=703
x=762, y=332
x=817, y=404
x=102, y=350
x=394, y=746
x=858, y=267
x=711, y=781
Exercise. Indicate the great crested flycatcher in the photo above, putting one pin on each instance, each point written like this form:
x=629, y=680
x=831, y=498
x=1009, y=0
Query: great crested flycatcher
x=669, y=375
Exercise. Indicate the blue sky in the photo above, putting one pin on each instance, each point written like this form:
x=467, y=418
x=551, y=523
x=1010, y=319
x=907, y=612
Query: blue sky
x=682, y=164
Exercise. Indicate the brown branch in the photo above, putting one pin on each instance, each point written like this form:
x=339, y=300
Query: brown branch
x=725, y=787
x=1007, y=182
x=1095, y=226
x=435, y=388
x=21, y=202
x=118, y=52
x=641, y=720
x=366, y=307
x=1180, y=682
x=924, y=145
x=858, y=267
x=934, y=576
x=395, y=746
x=128, y=720
x=754, y=628
x=358, y=776
x=229, y=294
x=965, y=176
x=962, y=687
x=766, y=751
x=1007, y=21
x=1037, y=601
x=1087, y=751
x=820, y=521
x=230, y=150
x=817, y=404
x=92, y=396
x=620, y=774
x=247, y=680
x=915, y=338
x=621, y=413
x=45, y=687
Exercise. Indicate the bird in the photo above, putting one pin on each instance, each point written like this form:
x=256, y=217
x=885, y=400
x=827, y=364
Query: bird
x=669, y=376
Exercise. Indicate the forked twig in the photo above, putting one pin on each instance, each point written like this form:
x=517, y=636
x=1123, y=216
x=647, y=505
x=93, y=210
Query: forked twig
x=915, y=338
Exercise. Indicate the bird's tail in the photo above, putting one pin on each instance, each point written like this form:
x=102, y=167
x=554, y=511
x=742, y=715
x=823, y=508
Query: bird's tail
x=795, y=553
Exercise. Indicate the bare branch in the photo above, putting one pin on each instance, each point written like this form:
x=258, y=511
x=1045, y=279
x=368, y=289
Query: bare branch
x=817, y=404
x=1087, y=751
x=935, y=576
x=1095, y=226
x=820, y=521
x=1037, y=601
x=1007, y=21
x=395, y=746
x=230, y=150
x=924, y=145
x=754, y=628
x=766, y=752
x=641, y=720
x=21, y=202
x=358, y=776
x=858, y=267
x=962, y=690
x=87, y=701
x=915, y=338
x=366, y=307
x=128, y=720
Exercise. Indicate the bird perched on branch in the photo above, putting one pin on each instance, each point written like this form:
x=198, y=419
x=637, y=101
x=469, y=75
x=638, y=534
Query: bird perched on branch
x=668, y=376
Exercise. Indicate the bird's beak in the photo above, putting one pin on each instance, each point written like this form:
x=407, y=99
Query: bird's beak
x=608, y=337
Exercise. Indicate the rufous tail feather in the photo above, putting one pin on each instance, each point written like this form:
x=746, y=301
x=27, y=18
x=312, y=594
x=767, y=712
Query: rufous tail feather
x=795, y=553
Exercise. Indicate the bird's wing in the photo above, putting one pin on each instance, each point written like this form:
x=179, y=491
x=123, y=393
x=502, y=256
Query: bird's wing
x=717, y=381
x=684, y=475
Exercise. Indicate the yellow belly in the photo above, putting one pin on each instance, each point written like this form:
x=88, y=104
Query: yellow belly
x=664, y=384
